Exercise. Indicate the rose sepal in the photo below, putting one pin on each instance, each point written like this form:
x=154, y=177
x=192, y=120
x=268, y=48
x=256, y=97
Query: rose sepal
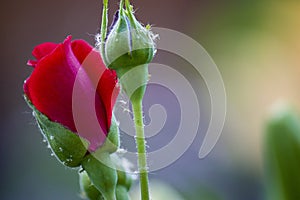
x=68, y=147
x=112, y=142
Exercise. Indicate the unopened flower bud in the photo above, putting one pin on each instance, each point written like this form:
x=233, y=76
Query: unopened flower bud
x=88, y=190
x=102, y=174
x=128, y=49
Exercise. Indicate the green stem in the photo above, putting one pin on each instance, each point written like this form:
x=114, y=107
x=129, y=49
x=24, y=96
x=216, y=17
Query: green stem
x=141, y=149
x=103, y=31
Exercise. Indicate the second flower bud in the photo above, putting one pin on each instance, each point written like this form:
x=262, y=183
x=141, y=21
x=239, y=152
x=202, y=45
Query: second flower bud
x=129, y=47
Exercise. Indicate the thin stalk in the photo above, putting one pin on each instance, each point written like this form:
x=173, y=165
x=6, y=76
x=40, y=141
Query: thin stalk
x=103, y=31
x=141, y=149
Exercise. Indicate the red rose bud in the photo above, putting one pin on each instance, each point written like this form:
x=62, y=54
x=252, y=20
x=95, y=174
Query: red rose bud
x=128, y=49
x=60, y=70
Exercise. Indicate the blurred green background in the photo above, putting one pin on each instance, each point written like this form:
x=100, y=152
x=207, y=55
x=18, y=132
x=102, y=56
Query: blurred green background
x=254, y=43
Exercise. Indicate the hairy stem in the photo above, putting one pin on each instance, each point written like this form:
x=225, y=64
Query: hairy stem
x=141, y=149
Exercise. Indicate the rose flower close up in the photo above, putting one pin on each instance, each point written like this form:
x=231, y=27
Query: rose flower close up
x=50, y=89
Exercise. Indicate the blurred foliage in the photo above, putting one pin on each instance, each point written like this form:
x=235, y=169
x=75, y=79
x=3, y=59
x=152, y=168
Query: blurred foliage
x=282, y=155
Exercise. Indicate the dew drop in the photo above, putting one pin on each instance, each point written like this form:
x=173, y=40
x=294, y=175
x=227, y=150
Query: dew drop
x=121, y=151
x=52, y=154
x=61, y=149
x=123, y=102
x=51, y=137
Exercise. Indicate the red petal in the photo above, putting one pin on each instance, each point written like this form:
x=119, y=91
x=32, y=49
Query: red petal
x=81, y=49
x=41, y=51
x=103, y=79
x=108, y=89
x=32, y=63
x=50, y=89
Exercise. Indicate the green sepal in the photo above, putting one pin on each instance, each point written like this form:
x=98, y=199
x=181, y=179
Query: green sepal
x=88, y=190
x=112, y=141
x=102, y=173
x=122, y=193
x=282, y=155
x=68, y=147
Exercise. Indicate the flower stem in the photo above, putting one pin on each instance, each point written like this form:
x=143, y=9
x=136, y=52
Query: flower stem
x=141, y=149
x=103, y=31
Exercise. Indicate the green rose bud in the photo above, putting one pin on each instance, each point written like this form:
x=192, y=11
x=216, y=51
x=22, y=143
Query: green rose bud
x=122, y=193
x=88, y=190
x=128, y=49
x=102, y=173
x=68, y=147
x=125, y=174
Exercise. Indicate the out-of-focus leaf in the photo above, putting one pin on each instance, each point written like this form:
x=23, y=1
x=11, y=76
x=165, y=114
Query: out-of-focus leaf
x=282, y=155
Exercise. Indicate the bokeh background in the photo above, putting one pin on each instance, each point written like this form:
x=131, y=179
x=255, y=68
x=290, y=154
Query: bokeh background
x=254, y=43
